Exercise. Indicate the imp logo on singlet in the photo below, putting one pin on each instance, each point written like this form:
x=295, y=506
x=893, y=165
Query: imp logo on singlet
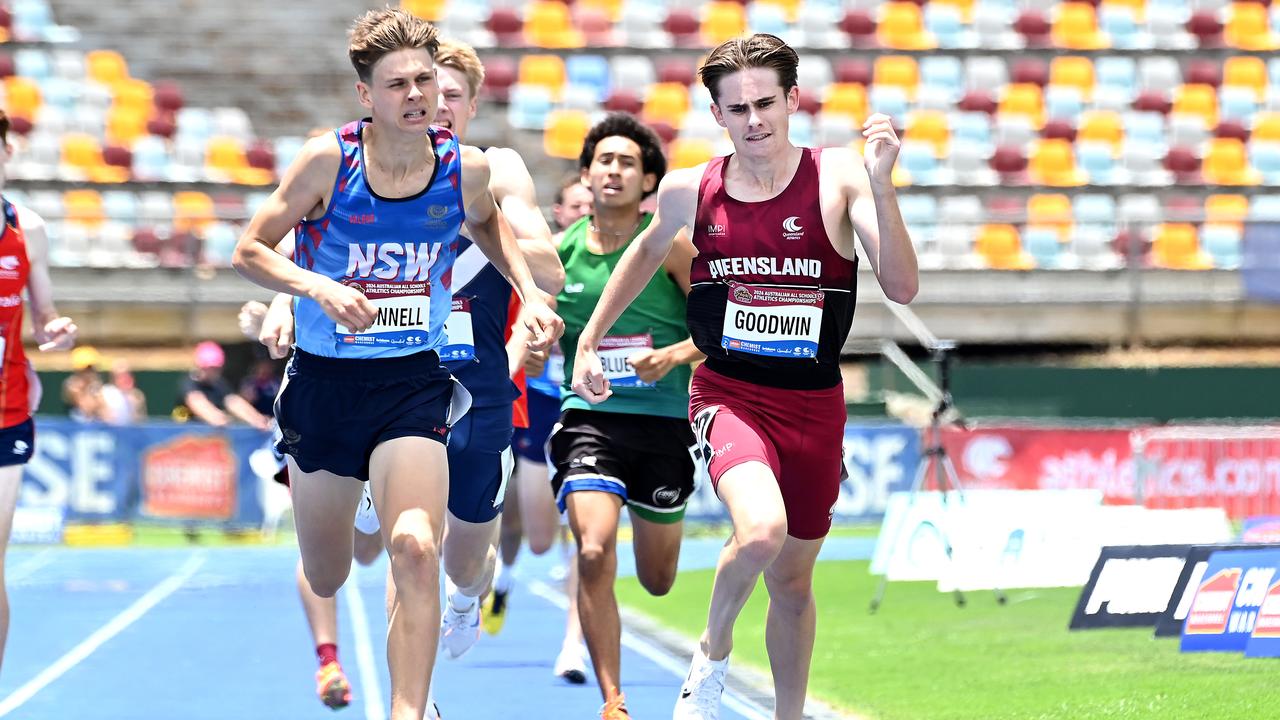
x=715, y=229
x=742, y=294
x=792, y=229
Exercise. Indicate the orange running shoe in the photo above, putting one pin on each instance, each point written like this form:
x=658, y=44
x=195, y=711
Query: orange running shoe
x=332, y=686
x=615, y=709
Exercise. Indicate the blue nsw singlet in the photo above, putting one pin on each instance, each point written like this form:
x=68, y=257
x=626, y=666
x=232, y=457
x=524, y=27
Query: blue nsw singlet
x=476, y=348
x=398, y=251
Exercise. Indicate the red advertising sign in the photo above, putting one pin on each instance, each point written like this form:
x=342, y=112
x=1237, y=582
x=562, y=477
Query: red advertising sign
x=1029, y=458
x=1231, y=468
x=1212, y=607
x=192, y=476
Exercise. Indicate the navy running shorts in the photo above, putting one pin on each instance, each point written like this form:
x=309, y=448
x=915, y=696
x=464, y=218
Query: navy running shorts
x=333, y=412
x=531, y=442
x=17, y=443
x=480, y=463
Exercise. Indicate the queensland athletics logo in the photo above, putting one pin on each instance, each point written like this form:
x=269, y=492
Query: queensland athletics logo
x=792, y=229
x=742, y=294
x=437, y=211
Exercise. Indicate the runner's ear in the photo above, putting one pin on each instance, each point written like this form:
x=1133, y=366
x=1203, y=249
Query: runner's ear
x=650, y=182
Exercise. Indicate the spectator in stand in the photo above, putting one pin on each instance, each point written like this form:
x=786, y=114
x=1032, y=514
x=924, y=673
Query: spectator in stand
x=82, y=390
x=262, y=385
x=206, y=397
x=572, y=202
x=122, y=402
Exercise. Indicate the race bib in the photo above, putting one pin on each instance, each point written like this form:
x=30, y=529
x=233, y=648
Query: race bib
x=460, y=339
x=404, y=313
x=774, y=322
x=615, y=353
x=555, y=365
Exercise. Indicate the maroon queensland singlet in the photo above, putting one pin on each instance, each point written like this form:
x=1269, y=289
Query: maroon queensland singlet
x=771, y=305
x=772, y=301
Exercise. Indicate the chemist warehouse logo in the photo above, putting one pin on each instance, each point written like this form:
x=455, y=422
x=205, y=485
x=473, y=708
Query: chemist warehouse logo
x=792, y=229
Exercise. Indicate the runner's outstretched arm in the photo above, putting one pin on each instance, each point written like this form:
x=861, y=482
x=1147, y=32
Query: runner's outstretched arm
x=873, y=210
x=517, y=199
x=677, y=198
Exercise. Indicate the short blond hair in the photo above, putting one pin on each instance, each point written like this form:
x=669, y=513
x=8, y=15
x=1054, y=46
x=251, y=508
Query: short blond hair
x=463, y=58
x=379, y=33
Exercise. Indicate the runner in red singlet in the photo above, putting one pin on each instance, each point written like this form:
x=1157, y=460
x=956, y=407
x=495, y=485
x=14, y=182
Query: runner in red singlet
x=771, y=305
x=24, y=265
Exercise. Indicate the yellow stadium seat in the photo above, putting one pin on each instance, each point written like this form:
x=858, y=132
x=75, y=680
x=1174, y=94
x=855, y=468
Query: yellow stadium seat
x=1225, y=163
x=929, y=126
x=1248, y=27
x=223, y=158
x=1175, y=246
x=1001, y=248
x=1025, y=99
x=1197, y=99
x=1053, y=163
x=81, y=151
x=1266, y=127
x=84, y=207
x=547, y=24
x=897, y=71
x=543, y=70
x=1246, y=71
x=1101, y=126
x=135, y=94
x=722, y=20
x=106, y=67
x=1073, y=71
x=1051, y=210
x=192, y=211
x=689, y=152
x=1226, y=209
x=1075, y=27
x=432, y=10
x=901, y=27
x=125, y=125
x=566, y=129
x=668, y=102
x=22, y=97
x=848, y=99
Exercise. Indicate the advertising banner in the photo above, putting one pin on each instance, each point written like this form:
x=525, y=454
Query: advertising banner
x=1228, y=598
x=1037, y=458
x=1130, y=586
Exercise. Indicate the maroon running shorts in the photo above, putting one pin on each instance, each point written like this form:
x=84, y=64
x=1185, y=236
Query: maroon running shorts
x=799, y=434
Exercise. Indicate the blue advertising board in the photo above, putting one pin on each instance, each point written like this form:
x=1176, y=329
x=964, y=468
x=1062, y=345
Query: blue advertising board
x=1227, y=601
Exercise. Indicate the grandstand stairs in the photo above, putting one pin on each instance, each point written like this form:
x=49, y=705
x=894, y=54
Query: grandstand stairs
x=283, y=62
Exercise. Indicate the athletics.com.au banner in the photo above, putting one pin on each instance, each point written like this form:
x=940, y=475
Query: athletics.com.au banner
x=156, y=471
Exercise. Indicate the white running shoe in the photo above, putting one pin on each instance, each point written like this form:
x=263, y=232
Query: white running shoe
x=570, y=665
x=366, y=516
x=700, y=695
x=433, y=712
x=459, y=629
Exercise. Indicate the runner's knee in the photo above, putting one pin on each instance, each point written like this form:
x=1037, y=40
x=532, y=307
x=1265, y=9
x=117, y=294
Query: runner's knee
x=325, y=582
x=790, y=591
x=595, y=561
x=368, y=548
x=657, y=581
x=759, y=543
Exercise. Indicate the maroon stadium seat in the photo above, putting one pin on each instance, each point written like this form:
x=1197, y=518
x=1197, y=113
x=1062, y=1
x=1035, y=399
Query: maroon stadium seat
x=500, y=73
x=1153, y=101
x=507, y=27
x=168, y=96
x=1011, y=163
x=1059, y=129
x=1203, y=71
x=1030, y=70
x=852, y=70
x=859, y=26
x=1185, y=166
x=261, y=155
x=677, y=70
x=163, y=125
x=1033, y=27
x=1232, y=129
x=622, y=100
x=6, y=65
x=977, y=100
x=117, y=156
x=1207, y=28
x=683, y=26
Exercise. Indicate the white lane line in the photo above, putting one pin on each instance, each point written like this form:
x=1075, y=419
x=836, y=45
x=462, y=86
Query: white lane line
x=29, y=566
x=658, y=656
x=100, y=636
x=370, y=685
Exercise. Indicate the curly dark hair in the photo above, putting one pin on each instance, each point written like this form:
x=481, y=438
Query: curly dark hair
x=652, y=161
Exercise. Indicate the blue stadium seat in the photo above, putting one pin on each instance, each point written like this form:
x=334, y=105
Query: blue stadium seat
x=32, y=63
x=948, y=27
x=589, y=71
x=1043, y=245
x=1237, y=103
x=1122, y=27
x=1223, y=243
x=1144, y=127
x=768, y=18
x=1116, y=71
x=800, y=128
x=1063, y=103
x=1098, y=163
x=1265, y=158
x=888, y=99
x=529, y=107
x=941, y=76
x=1262, y=208
x=921, y=164
x=121, y=206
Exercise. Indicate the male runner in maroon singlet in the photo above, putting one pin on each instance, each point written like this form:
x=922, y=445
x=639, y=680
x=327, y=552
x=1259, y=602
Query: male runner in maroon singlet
x=771, y=306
